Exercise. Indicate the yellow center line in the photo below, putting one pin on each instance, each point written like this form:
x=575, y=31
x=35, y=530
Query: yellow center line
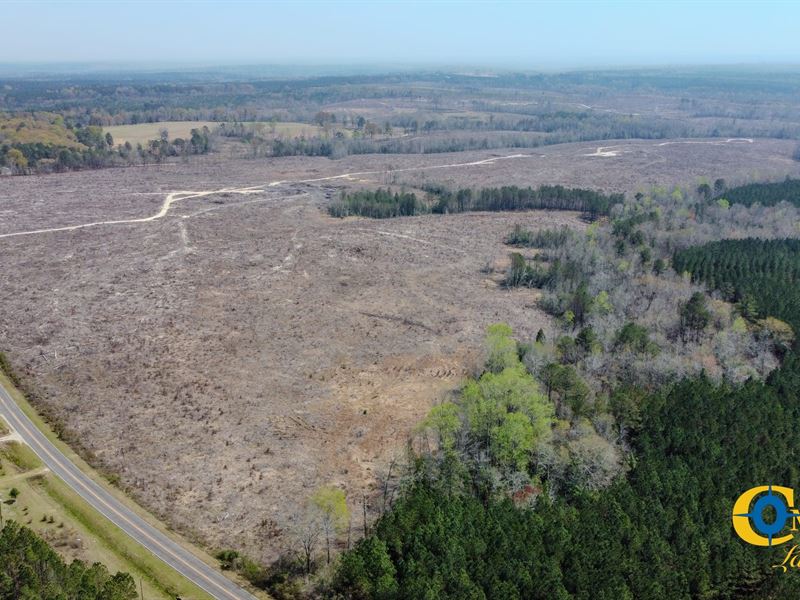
x=108, y=506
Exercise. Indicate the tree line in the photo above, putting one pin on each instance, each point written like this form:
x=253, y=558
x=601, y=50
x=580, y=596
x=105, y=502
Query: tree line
x=378, y=204
x=384, y=204
x=544, y=197
x=766, y=194
x=729, y=106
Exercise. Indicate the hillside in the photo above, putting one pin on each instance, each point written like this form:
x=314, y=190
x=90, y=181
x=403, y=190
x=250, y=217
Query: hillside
x=37, y=128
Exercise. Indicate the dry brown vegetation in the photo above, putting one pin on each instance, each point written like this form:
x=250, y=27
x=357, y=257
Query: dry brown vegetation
x=230, y=357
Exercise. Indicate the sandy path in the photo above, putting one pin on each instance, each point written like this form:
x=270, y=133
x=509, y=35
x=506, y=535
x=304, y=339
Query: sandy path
x=610, y=151
x=605, y=151
x=174, y=197
x=11, y=437
x=168, y=202
x=711, y=142
x=485, y=161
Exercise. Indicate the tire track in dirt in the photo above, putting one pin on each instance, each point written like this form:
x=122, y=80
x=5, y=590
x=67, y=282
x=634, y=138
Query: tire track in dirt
x=171, y=198
x=174, y=197
x=611, y=151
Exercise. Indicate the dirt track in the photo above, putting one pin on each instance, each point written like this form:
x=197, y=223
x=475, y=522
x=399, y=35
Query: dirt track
x=174, y=197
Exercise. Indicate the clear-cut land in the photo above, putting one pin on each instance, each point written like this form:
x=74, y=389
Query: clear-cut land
x=241, y=349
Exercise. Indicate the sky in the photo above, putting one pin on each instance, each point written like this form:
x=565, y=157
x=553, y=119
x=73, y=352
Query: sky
x=535, y=35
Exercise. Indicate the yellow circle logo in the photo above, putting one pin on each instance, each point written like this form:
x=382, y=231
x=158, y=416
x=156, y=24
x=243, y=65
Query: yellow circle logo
x=749, y=515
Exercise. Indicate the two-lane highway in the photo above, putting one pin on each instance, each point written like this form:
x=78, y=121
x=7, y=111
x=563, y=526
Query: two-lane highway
x=172, y=553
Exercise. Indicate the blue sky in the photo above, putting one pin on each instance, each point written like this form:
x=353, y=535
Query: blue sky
x=519, y=34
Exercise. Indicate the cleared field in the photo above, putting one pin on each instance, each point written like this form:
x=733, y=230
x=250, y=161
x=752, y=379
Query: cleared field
x=230, y=356
x=629, y=165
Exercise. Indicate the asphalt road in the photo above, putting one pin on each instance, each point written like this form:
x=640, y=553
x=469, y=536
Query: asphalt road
x=183, y=561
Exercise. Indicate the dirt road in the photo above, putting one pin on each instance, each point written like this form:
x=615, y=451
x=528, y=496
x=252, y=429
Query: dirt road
x=174, y=197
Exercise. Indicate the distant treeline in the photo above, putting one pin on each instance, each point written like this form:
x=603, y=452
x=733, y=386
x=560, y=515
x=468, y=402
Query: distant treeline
x=506, y=198
x=766, y=194
x=754, y=103
x=382, y=204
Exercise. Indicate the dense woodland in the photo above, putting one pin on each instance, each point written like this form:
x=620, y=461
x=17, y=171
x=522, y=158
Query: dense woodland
x=30, y=569
x=625, y=317
x=767, y=194
x=762, y=277
x=660, y=531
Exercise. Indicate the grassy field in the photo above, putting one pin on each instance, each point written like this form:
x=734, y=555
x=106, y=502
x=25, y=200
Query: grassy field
x=20, y=456
x=74, y=528
x=143, y=132
x=290, y=129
